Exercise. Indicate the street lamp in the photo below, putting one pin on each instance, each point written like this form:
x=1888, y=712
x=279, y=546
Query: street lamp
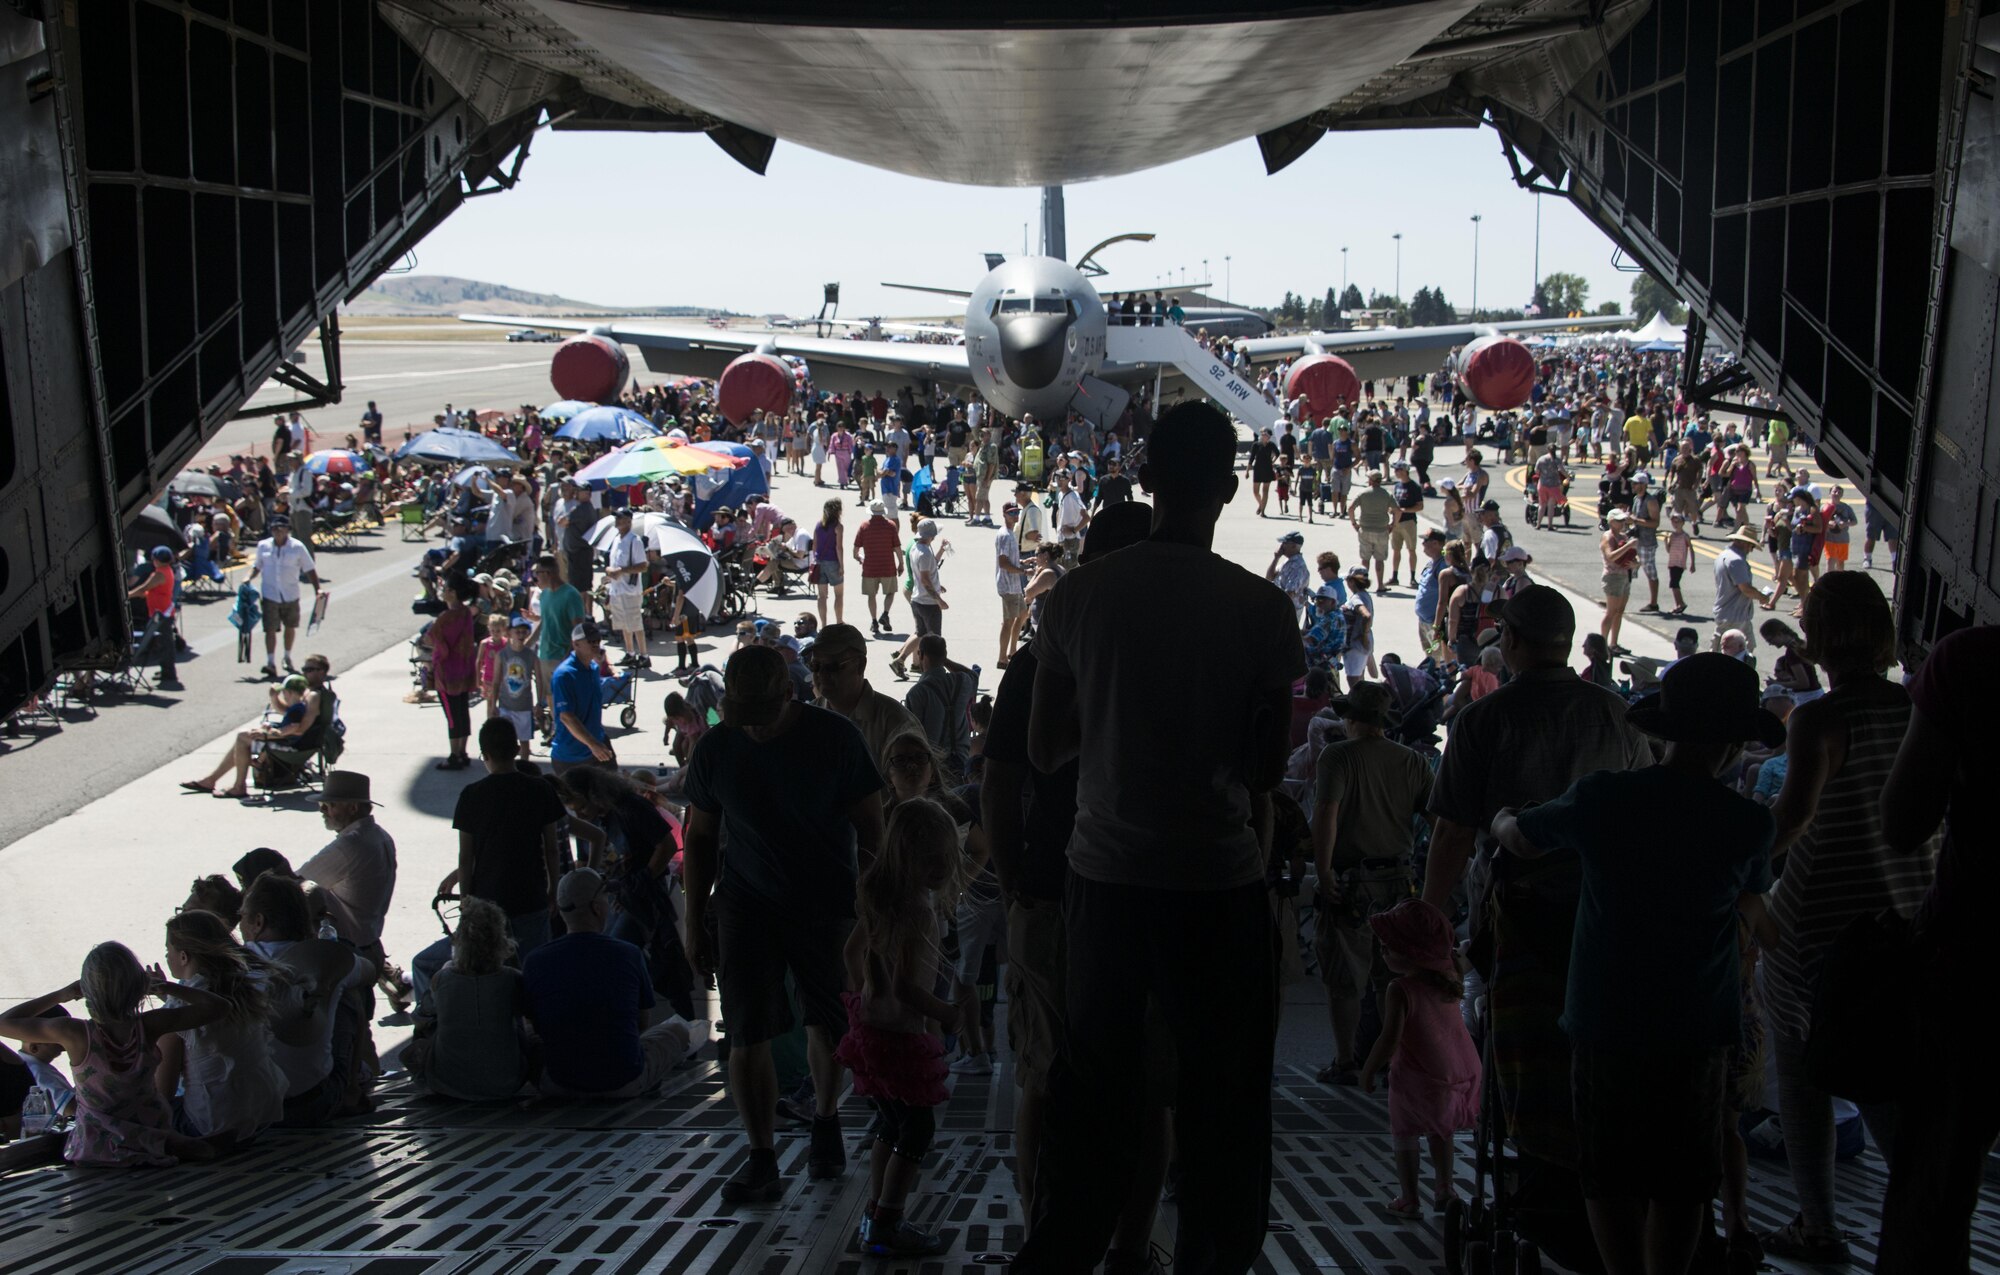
x=1475, y=265
x=1227, y=278
x=1398, y=237
x=1343, y=274
x=1204, y=273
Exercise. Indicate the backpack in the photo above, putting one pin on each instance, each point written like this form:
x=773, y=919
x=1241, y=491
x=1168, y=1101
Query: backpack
x=704, y=695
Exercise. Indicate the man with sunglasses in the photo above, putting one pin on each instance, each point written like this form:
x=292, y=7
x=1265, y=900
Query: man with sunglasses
x=839, y=665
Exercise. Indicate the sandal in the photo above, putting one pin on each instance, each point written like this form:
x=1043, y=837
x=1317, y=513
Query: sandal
x=1404, y=1207
x=232, y=794
x=196, y=786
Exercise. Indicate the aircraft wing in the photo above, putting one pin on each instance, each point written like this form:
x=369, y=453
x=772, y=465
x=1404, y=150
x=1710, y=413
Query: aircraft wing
x=704, y=351
x=1264, y=349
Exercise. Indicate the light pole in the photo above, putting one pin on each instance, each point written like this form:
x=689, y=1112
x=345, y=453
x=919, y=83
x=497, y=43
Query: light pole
x=1475, y=266
x=1398, y=237
x=1538, y=247
x=1227, y=276
x=1343, y=274
x=1206, y=281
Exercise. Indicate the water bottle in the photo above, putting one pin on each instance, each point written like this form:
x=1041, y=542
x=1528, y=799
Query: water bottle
x=38, y=1112
x=327, y=930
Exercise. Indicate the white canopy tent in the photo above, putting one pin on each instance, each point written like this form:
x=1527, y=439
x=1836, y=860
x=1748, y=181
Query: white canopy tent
x=1656, y=329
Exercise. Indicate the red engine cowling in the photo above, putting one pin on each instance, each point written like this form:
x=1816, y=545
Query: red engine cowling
x=1326, y=381
x=1497, y=372
x=590, y=369
x=753, y=381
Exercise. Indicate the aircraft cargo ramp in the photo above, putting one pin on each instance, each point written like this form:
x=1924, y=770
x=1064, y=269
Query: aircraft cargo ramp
x=433, y=1187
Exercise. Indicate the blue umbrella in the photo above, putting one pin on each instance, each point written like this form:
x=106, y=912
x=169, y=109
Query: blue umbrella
x=607, y=425
x=460, y=445
x=564, y=408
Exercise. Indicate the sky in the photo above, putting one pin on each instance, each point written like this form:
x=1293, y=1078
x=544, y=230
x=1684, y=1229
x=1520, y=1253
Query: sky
x=634, y=219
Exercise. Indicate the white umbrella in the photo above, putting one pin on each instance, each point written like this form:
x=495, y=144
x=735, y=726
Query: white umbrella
x=474, y=476
x=684, y=559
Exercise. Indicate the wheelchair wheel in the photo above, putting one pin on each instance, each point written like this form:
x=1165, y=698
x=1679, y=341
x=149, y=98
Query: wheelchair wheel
x=1478, y=1258
x=1454, y=1238
x=630, y=717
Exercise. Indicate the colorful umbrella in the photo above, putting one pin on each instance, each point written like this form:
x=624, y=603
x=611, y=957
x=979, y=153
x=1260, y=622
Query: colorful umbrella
x=461, y=445
x=564, y=408
x=336, y=460
x=607, y=425
x=649, y=460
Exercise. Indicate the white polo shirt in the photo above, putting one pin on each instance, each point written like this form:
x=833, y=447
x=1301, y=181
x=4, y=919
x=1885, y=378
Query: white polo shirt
x=280, y=570
x=628, y=550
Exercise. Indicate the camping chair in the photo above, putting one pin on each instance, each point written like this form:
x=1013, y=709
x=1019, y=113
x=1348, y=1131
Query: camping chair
x=410, y=519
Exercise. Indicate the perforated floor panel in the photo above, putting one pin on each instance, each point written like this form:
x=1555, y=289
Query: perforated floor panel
x=426, y=1187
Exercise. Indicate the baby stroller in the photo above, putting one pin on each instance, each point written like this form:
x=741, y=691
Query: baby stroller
x=618, y=690
x=1532, y=511
x=1419, y=692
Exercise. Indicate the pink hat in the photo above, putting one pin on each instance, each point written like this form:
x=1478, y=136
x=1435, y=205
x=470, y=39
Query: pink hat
x=1419, y=933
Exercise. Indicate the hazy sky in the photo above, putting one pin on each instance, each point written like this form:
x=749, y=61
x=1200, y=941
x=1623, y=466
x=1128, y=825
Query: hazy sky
x=635, y=219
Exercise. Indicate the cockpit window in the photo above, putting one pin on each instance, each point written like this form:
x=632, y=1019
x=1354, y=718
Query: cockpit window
x=1016, y=305
x=1050, y=305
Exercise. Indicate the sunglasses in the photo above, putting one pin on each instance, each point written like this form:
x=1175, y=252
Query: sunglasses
x=829, y=666
x=909, y=761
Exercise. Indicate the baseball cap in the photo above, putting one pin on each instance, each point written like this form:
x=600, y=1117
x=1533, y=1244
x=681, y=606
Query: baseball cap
x=577, y=888
x=1326, y=593
x=587, y=631
x=1618, y=515
x=1435, y=534
x=1401, y=464
x=278, y=520
x=1009, y=510
x=1449, y=484
x=1490, y=507
x=1292, y=538
x=836, y=640
x=162, y=554
x=520, y=622
x=1515, y=553
x=1642, y=477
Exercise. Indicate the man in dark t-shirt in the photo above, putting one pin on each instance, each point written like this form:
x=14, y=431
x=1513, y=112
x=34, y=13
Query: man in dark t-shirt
x=800, y=800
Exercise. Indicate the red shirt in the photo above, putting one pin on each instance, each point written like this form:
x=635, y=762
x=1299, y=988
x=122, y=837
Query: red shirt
x=878, y=541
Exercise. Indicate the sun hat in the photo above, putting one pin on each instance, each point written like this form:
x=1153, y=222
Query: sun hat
x=345, y=785
x=1744, y=536
x=1419, y=933
x=1365, y=702
x=1708, y=698
x=879, y=509
x=1327, y=593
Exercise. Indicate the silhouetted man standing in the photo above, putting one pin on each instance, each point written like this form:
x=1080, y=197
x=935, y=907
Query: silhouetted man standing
x=1165, y=902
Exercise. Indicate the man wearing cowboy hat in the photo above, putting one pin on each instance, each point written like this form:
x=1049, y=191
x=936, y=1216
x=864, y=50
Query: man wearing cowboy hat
x=357, y=869
x=1654, y=1000
x=1736, y=598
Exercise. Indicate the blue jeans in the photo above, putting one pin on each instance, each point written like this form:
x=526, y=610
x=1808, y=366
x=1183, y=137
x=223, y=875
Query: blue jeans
x=530, y=931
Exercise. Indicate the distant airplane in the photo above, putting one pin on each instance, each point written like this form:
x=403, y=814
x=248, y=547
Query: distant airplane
x=1038, y=342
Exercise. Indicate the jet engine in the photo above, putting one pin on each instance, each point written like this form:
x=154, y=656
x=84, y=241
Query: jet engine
x=1326, y=381
x=1497, y=372
x=590, y=369
x=752, y=381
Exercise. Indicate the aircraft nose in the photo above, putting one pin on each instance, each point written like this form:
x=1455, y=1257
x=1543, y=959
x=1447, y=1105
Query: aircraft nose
x=1031, y=349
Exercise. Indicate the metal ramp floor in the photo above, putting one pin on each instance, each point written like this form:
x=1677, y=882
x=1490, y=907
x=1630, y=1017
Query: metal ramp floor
x=432, y=1187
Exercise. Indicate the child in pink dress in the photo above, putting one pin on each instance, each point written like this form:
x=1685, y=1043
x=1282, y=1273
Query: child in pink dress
x=894, y=957
x=1433, y=1065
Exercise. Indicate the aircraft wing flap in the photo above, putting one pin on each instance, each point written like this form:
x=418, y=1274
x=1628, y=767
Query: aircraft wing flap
x=1378, y=340
x=889, y=357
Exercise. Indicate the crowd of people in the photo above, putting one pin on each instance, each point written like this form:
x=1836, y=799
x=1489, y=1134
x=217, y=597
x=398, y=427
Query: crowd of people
x=1615, y=906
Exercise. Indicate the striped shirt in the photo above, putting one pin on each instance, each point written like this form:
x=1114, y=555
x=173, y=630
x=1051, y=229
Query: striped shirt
x=1840, y=867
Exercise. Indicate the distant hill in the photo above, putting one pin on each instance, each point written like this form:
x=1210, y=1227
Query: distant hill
x=417, y=294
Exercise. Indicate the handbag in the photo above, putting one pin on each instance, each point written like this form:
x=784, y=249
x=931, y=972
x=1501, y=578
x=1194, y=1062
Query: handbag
x=1863, y=1013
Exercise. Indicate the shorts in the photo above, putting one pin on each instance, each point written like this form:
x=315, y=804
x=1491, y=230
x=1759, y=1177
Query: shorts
x=522, y=719
x=1674, y=577
x=930, y=617
x=1802, y=550
x=755, y=944
x=956, y=455
x=1011, y=606
x=1374, y=544
x=280, y=615
x=1618, y=584
x=829, y=571
x=1836, y=550
x=1343, y=481
x=661, y=1048
x=1649, y=560
x=627, y=611
x=1404, y=534
x=1548, y=495
x=1350, y=960
x=872, y=585
x=1649, y=1125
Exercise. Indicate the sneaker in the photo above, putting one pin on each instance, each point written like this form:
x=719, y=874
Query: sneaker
x=828, y=1157
x=899, y=1239
x=897, y=667
x=289, y=666
x=1867, y=562
x=270, y=672
x=757, y=1181
x=1794, y=1241
x=1335, y=1074
x=1650, y=607
x=973, y=1065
